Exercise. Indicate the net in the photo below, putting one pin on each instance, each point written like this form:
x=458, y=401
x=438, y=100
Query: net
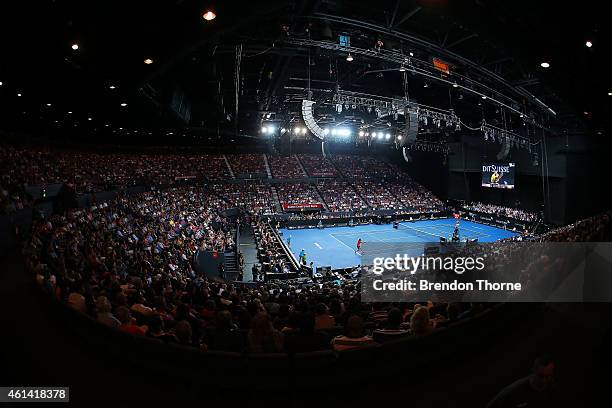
x=430, y=236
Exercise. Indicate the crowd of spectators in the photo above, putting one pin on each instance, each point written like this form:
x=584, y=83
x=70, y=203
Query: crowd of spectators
x=501, y=211
x=414, y=196
x=378, y=196
x=297, y=193
x=91, y=171
x=253, y=196
x=285, y=167
x=131, y=243
x=247, y=164
x=340, y=196
x=363, y=167
x=318, y=166
x=592, y=229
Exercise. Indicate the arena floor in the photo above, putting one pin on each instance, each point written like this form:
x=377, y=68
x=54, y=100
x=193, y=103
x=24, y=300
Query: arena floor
x=335, y=246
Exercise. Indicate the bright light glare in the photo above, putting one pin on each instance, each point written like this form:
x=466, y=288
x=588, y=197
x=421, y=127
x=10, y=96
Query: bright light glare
x=545, y=65
x=209, y=15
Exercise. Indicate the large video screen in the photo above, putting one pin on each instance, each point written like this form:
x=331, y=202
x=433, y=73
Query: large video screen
x=498, y=175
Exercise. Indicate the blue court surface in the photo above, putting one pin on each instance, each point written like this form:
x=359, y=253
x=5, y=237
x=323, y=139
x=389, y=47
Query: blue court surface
x=335, y=246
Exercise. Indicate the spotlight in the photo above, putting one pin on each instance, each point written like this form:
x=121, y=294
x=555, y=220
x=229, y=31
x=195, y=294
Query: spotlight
x=484, y=97
x=361, y=133
x=399, y=137
x=425, y=85
x=296, y=130
x=70, y=112
x=325, y=131
x=283, y=130
x=545, y=65
x=89, y=119
x=333, y=132
x=48, y=104
x=387, y=136
x=111, y=87
x=412, y=54
x=374, y=135
x=148, y=61
x=609, y=93
x=18, y=94
x=264, y=129
x=304, y=130
x=209, y=15
x=402, y=68
x=271, y=129
x=349, y=57
x=589, y=44
x=455, y=85
x=75, y=46
x=0, y=83
x=123, y=104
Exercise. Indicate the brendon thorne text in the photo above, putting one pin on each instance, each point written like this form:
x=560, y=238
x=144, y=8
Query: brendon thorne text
x=425, y=285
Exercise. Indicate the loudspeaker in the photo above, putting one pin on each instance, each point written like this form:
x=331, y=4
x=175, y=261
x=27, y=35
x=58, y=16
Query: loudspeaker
x=412, y=127
x=503, y=153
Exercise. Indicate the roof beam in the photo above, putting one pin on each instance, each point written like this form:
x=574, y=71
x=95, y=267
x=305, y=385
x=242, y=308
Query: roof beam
x=407, y=16
x=459, y=41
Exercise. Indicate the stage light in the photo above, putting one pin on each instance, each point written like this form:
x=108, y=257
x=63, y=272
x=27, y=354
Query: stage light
x=455, y=85
x=325, y=131
x=70, y=112
x=111, y=87
x=0, y=83
x=48, y=104
x=609, y=93
x=402, y=68
x=18, y=94
x=209, y=15
x=484, y=97
x=589, y=44
x=425, y=85
x=412, y=54
x=89, y=119
x=123, y=104
x=264, y=129
x=271, y=129
x=374, y=135
x=333, y=132
x=148, y=61
x=349, y=57
x=387, y=136
x=296, y=130
x=304, y=130
x=361, y=133
x=399, y=137
x=75, y=46
x=545, y=65
x=283, y=130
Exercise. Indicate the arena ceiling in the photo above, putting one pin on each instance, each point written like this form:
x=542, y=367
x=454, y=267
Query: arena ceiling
x=286, y=49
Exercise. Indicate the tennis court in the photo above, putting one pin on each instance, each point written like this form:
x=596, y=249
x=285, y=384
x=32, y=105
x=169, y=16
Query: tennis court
x=335, y=246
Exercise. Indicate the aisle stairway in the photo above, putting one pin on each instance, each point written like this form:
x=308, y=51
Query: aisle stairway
x=300, y=165
x=227, y=163
x=277, y=203
x=268, y=170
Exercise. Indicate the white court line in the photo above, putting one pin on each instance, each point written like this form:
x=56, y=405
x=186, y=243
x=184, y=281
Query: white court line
x=317, y=245
x=363, y=232
x=332, y=235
